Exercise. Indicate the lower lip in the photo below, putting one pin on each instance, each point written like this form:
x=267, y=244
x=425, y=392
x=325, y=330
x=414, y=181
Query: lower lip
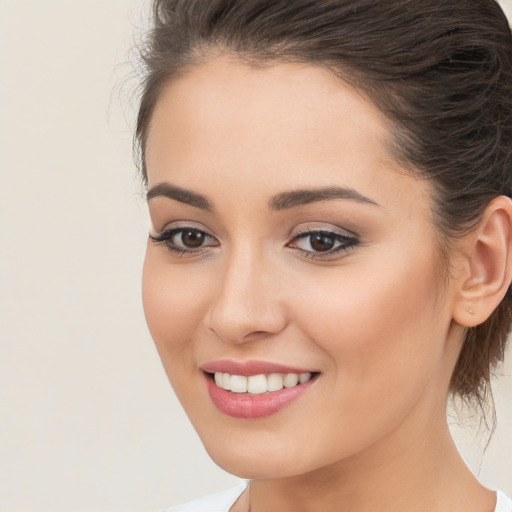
x=241, y=405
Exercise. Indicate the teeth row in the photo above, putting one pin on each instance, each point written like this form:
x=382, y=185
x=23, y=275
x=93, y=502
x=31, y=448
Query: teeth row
x=257, y=384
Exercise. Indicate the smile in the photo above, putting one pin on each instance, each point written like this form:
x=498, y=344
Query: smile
x=263, y=390
x=259, y=384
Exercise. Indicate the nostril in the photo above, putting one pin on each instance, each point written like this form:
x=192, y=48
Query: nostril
x=255, y=334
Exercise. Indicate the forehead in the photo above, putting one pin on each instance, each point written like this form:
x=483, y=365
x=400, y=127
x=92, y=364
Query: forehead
x=271, y=128
x=225, y=102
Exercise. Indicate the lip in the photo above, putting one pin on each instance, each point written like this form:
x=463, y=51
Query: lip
x=248, y=368
x=243, y=405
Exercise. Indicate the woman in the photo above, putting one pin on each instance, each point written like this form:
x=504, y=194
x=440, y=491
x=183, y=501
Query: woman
x=330, y=254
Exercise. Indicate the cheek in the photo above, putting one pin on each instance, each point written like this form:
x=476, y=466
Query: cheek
x=376, y=322
x=173, y=302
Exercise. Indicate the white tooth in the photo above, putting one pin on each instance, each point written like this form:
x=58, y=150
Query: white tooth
x=219, y=378
x=275, y=382
x=226, y=378
x=257, y=384
x=290, y=380
x=238, y=384
x=304, y=377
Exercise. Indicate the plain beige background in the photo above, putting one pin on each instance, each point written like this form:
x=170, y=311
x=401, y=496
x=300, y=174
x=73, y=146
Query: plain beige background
x=88, y=421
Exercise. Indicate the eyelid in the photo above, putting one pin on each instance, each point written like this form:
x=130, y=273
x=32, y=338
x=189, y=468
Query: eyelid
x=348, y=241
x=170, y=232
x=315, y=227
x=179, y=224
x=165, y=236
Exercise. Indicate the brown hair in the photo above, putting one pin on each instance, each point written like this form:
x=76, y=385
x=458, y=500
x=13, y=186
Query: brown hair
x=440, y=70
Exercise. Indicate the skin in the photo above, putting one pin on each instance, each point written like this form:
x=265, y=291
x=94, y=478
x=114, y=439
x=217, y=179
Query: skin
x=376, y=320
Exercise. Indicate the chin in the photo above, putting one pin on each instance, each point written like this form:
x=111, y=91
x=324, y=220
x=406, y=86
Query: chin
x=251, y=466
x=265, y=456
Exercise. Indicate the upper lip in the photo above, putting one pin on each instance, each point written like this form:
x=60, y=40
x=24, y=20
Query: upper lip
x=248, y=368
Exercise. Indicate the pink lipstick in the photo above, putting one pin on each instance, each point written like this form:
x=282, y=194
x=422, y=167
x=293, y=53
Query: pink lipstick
x=255, y=389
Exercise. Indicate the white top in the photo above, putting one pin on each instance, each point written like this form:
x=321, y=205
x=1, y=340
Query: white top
x=218, y=502
x=224, y=500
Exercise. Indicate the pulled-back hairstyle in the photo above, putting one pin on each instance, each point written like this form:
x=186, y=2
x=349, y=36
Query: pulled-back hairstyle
x=440, y=70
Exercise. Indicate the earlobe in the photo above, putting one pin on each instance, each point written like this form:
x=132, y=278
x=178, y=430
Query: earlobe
x=488, y=269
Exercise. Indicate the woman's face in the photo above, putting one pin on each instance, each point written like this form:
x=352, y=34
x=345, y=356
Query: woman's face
x=284, y=242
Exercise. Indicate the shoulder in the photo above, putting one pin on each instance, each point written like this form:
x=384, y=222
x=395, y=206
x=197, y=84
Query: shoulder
x=218, y=502
x=503, y=503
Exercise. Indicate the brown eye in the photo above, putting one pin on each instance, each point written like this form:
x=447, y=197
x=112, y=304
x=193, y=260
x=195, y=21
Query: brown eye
x=322, y=242
x=191, y=238
x=185, y=240
x=318, y=244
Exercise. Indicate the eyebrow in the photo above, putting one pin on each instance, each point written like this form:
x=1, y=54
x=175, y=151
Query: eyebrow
x=180, y=194
x=281, y=201
x=286, y=200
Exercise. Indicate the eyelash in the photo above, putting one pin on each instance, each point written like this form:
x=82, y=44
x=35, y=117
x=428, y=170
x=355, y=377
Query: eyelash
x=165, y=237
x=346, y=242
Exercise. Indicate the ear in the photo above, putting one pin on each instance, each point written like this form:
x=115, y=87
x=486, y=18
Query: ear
x=487, y=269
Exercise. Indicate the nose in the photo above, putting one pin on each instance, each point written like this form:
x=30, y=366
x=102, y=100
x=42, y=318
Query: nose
x=247, y=303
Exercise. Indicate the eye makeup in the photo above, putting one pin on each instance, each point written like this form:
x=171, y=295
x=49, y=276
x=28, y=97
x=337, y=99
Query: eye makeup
x=184, y=240
x=318, y=243
x=322, y=243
